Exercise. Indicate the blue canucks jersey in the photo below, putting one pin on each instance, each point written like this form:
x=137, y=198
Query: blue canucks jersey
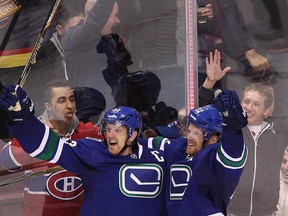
x=203, y=184
x=113, y=185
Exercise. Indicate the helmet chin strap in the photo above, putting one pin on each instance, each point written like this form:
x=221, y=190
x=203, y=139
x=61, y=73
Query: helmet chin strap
x=125, y=147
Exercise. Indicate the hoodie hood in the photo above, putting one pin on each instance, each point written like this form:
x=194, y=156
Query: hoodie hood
x=73, y=126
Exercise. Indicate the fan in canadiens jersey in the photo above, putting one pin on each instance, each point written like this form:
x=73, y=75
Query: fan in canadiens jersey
x=120, y=176
x=205, y=167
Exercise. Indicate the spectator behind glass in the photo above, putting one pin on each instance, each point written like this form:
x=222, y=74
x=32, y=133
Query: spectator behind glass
x=264, y=135
x=48, y=63
x=80, y=42
x=282, y=206
x=42, y=196
x=90, y=103
x=67, y=16
x=226, y=33
x=140, y=90
x=51, y=52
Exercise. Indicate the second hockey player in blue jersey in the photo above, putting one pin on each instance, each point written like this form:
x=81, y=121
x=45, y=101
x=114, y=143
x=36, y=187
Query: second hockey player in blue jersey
x=205, y=167
x=119, y=176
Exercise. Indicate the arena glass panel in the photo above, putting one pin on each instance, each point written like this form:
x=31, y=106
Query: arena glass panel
x=162, y=38
x=146, y=58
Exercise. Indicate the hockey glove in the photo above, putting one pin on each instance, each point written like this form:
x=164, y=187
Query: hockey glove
x=229, y=105
x=14, y=100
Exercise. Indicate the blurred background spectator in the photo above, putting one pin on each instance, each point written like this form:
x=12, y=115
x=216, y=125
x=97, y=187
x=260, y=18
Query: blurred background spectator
x=90, y=103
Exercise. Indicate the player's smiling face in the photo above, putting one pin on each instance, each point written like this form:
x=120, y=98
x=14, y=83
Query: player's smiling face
x=62, y=106
x=195, y=139
x=284, y=167
x=116, y=137
x=253, y=104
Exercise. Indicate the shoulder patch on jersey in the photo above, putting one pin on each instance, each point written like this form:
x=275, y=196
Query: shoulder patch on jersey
x=134, y=156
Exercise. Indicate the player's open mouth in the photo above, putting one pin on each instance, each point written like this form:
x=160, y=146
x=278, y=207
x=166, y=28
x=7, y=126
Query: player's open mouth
x=112, y=142
x=191, y=144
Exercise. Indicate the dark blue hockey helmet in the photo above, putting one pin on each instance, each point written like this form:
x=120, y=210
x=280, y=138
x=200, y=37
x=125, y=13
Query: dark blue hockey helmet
x=208, y=119
x=125, y=116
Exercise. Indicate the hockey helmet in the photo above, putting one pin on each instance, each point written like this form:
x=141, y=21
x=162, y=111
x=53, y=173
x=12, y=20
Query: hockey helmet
x=208, y=119
x=125, y=116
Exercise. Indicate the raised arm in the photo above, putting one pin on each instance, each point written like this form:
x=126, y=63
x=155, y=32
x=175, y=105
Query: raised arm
x=90, y=30
x=213, y=70
x=234, y=119
x=37, y=139
x=213, y=74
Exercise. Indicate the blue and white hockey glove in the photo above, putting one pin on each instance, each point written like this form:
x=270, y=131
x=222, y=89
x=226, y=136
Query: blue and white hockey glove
x=229, y=105
x=14, y=100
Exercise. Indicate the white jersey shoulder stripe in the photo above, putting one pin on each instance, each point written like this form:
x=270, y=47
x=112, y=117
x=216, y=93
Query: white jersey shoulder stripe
x=43, y=143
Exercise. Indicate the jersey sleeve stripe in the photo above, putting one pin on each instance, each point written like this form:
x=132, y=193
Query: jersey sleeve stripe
x=230, y=162
x=164, y=141
x=51, y=147
x=12, y=156
x=140, y=151
x=58, y=152
x=43, y=143
x=7, y=159
x=150, y=143
x=226, y=155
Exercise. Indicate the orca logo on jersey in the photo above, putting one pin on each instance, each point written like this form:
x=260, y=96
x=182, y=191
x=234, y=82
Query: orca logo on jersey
x=180, y=175
x=141, y=180
x=64, y=185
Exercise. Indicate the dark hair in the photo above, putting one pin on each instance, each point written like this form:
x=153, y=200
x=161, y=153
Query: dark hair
x=54, y=84
x=139, y=90
x=67, y=10
x=89, y=102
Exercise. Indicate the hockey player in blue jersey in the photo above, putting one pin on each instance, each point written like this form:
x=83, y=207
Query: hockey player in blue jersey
x=119, y=176
x=205, y=167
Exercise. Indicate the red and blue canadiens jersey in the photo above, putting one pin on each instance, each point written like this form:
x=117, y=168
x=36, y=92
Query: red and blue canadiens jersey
x=114, y=185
